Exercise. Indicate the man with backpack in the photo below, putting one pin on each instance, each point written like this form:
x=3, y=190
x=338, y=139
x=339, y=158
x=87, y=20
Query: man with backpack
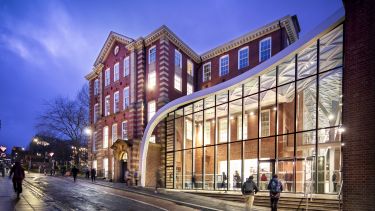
x=249, y=189
x=276, y=187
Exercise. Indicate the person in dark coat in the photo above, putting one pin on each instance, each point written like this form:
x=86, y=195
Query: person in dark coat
x=276, y=187
x=18, y=175
x=74, y=173
x=93, y=175
x=249, y=189
x=87, y=173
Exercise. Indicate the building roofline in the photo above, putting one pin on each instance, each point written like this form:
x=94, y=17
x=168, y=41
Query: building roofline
x=286, y=22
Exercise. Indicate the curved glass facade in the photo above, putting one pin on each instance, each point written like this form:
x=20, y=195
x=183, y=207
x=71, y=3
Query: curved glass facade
x=285, y=121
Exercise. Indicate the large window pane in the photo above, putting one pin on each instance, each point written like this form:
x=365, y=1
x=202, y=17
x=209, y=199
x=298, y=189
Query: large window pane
x=330, y=98
x=285, y=173
x=329, y=157
x=267, y=148
x=209, y=102
x=331, y=46
x=179, y=135
x=235, y=92
x=266, y=170
x=307, y=61
x=285, y=146
x=198, y=168
x=222, y=123
x=268, y=80
x=267, y=113
x=221, y=167
x=235, y=166
x=305, y=175
x=251, y=87
x=178, y=169
x=188, y=132
x=305, y=144
x=286, y=72
x=306, y=104
x=209, y=164
x=285, y=112
x=251, y=159
x=188, y=171
x=222, y=97
x=235, y=120
x=198, y=129
x=251, y=113
x=209, y=126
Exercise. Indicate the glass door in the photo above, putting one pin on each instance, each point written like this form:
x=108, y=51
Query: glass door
x=266, y=170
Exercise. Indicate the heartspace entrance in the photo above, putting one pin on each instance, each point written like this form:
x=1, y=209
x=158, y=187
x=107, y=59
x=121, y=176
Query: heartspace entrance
x=286, y=121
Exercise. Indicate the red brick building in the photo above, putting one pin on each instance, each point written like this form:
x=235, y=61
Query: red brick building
x=133, y=78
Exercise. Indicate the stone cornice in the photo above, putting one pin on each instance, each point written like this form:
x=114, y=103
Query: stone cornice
x=112, y=37
x=165, y=31
x=285, y=22
x=94, y=72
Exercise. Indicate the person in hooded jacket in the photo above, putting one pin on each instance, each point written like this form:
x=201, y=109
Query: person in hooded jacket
x=249, y=189
x=18, y=175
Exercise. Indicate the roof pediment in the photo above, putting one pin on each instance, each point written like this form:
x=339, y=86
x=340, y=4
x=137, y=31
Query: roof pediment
x=111, y=39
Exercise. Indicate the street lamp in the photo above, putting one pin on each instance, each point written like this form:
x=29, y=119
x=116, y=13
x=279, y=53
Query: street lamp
x=87, y=131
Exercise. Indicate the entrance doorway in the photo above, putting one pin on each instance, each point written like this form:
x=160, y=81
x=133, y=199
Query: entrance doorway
x=124, y=166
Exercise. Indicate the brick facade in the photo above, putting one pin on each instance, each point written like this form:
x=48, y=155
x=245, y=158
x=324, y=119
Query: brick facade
x=359, y=106
x=166, y=43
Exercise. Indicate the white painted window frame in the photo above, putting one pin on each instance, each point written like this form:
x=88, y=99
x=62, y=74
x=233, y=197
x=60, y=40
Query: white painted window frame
x=126, y=98
x=124, y=131
x=220, y=65
x=177, y=54
x=107, y=109
x=114, y=135
x=105, y=137
x=177, y=82
x=239, y=58
x=149, y=54
x=107, y=77
x=126, y=66
x=260, y=48
x=269, y=122
x=96, y=86
x=189, y=88
x=192, y=67
x=203, y=67
x=151, y=112
x=116, y=72
x=116, y=102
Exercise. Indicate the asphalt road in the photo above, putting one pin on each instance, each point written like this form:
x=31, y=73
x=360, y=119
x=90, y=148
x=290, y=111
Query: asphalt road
x=68, y=195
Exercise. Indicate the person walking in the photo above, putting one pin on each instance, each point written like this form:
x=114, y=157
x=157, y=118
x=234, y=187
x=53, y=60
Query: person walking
x=158, y=181
x=74, y=173
x=18, y=175
x=193, y=180
x=275, y=187
x=224, y=179
x=93, y=175
x=136, y=177
x=87, y=173
x=249, y=189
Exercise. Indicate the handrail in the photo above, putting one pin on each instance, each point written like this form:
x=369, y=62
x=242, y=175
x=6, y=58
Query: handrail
x=340, y=194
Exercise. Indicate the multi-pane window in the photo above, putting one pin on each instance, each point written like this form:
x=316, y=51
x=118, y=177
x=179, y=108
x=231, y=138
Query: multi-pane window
x=126, y=66
x=239, y=126
x=105, y=137
x=243, y=57
x=189, y=88
x=126, y=98
x=224, y=65
x=189, y=129
x=151, y=79
x=114, y=133
x=94, y=141
x=177, y=82
x=105, y=167
x=265, y=49
x=116, y=102
x=151, y=109
x=207, y=72
x=96, y=112
x=116, y=72
x=177, y=59
x=152, y=55
x=107, y=105
x=125, y=130
x=107, y=76
x=96, y=86
x=190, y=68
x=223, y=126
x=265, y=123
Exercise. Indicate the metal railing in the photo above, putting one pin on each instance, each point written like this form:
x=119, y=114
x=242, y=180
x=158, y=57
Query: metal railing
x=340, y=194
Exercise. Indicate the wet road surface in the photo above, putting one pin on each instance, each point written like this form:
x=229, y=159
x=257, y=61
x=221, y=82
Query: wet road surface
x=86, y=196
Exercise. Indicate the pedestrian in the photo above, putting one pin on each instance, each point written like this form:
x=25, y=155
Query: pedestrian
x=224, y=178
x=74, y=172
x=249, y=189
x=2, y=169
x=236, y=180
x=275, y=187
x=263, y=182
x=18, y=175
x=335, y=180
x=127, y=177
x=93, y=175
x=87, y=173
x=158, y=181
x=193, y=181
x=136, y=177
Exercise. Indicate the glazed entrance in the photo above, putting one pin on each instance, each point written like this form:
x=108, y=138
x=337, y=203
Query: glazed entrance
x=286, y=120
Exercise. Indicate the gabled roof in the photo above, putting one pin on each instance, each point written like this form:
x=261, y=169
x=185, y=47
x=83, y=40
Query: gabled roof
x=112, y=38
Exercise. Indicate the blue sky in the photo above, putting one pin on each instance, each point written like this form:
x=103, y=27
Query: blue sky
x=47, y=47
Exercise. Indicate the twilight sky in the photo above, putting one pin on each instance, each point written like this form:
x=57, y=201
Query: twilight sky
x=47, y=47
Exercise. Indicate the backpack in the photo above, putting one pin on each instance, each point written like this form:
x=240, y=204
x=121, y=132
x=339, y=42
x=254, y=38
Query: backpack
x=275, y=186
x=248, y=187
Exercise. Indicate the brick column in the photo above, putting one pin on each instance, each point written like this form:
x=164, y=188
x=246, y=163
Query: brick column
x=140, y=104
x=359, y=106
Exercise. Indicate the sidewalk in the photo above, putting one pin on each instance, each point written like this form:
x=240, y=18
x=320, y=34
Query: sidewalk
x=191, y=200
x=27, y=201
